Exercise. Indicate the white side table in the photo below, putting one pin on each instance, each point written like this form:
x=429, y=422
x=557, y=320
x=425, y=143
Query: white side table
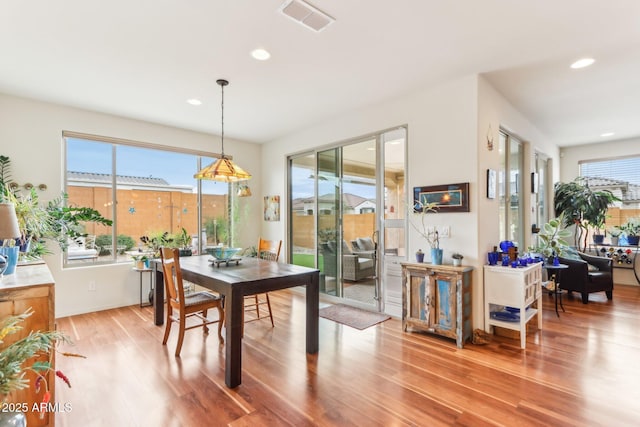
x=141, y=271
x=518, y=288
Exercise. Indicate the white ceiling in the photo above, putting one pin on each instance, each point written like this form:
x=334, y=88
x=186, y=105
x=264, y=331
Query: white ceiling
x=143, y=59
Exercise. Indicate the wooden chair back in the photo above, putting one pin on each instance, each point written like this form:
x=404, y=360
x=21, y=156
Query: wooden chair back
x=172, y=276
x=269, y=249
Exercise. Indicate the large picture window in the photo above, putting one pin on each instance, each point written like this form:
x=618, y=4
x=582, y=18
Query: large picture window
x=621, y=176
x=146, y=191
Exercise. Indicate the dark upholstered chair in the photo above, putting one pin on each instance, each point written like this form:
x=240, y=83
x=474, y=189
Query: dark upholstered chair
x=579, y=277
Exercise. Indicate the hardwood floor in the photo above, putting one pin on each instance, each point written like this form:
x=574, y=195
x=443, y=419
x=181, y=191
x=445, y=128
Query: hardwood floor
x=583, y=369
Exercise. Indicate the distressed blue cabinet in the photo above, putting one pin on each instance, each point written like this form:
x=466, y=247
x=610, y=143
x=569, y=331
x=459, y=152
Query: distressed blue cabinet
x=437, y=299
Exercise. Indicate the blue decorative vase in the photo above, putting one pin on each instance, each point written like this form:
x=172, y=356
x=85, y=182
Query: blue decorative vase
x=436, y=256
x=493, y=258
x=505, y=245
x=11, y=255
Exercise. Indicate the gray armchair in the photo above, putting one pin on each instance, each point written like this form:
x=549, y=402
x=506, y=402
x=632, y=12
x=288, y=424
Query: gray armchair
x=354, y=266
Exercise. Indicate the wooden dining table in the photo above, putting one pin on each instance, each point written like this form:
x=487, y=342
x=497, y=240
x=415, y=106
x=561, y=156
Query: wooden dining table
x=234, y=281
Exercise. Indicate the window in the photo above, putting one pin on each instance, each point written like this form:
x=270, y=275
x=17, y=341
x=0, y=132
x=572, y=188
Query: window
x=510, y=183
x=622, y=177
x=146, y=191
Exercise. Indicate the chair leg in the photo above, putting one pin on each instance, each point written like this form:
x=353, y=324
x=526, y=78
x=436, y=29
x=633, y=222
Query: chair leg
x=220, y=322
x=585, y=297
x=269, y=306
x=255, y=301
x=204, y=322
x=167, y=328
x=609, y=294
x=180, y=336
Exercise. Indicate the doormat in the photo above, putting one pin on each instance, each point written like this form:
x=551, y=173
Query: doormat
x=351, y=316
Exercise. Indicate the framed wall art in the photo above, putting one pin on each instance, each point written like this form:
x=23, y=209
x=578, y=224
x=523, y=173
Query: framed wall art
x=534, y=182
x=272, y=208
x=447, y=198
x=491, y=184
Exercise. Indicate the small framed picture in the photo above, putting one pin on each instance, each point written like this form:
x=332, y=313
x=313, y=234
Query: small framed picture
x=491, y=184
x=272, y=208
x=447, y=198
x=534, y=182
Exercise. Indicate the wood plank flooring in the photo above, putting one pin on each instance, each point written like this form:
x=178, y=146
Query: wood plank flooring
x=583, y=369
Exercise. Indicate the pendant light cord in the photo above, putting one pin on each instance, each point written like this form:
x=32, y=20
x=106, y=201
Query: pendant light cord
x=222, y=83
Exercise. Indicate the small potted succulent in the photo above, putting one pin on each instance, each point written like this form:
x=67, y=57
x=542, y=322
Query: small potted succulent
x=457, y=259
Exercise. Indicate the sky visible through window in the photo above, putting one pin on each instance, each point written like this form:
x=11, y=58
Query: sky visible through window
x=175, y=168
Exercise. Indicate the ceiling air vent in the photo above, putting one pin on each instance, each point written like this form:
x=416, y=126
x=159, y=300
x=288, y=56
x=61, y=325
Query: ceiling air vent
x=305, y=14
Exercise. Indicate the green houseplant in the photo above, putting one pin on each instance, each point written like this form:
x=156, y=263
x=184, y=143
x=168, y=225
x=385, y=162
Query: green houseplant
x=552, y=238
x=31, y=353
x=582, y=207
x=631, y=229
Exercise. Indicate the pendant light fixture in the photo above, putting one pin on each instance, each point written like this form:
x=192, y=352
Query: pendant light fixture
x=223, y=169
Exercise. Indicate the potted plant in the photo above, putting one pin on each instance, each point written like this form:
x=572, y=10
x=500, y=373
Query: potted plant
x=154, y=241
x=615, y=233
x=19, y=357
x=631, y=229
x=457, y=259
x=552, y=239
x=430, y=234
x=419, y=255
x=140, y=261
x=582, y=207
x=182, y=241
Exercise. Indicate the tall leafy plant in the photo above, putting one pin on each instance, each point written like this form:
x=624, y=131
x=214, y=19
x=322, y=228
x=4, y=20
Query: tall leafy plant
x=583, y=207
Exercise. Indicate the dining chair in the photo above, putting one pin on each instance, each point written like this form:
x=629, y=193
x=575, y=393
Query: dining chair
x=181, y=306
x=268, y=250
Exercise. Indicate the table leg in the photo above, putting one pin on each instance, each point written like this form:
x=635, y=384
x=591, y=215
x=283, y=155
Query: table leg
x=313, y=313
x=234, y=305
x=559, y=292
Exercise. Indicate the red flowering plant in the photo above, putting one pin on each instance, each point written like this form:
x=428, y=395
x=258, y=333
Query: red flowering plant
x=15, y=358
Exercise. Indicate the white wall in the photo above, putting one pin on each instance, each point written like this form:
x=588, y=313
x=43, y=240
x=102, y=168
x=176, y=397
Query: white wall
x=571, y=156
x=31, y=135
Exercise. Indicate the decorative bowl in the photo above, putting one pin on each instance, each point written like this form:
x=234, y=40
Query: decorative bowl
x=222, y=253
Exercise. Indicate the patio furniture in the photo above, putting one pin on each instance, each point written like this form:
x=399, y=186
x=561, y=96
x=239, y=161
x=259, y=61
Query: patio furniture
x=354, y=266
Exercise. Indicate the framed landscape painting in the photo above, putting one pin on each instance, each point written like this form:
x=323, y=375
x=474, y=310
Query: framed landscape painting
x=447, y=198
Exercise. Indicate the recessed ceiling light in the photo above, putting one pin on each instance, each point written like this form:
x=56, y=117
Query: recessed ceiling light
x=260, y=54
x=194, y=101
x=604, y=135
x=581, y=63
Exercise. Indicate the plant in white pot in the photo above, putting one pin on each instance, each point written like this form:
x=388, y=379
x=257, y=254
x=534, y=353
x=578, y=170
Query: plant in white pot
x=457, y=259
x=615, y=233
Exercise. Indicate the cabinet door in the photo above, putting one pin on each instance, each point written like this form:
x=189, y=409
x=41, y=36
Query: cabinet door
x=446, y=307
x=422, y=299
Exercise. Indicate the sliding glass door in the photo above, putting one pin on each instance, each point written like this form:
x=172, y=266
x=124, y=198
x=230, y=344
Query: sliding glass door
x=339, y=200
